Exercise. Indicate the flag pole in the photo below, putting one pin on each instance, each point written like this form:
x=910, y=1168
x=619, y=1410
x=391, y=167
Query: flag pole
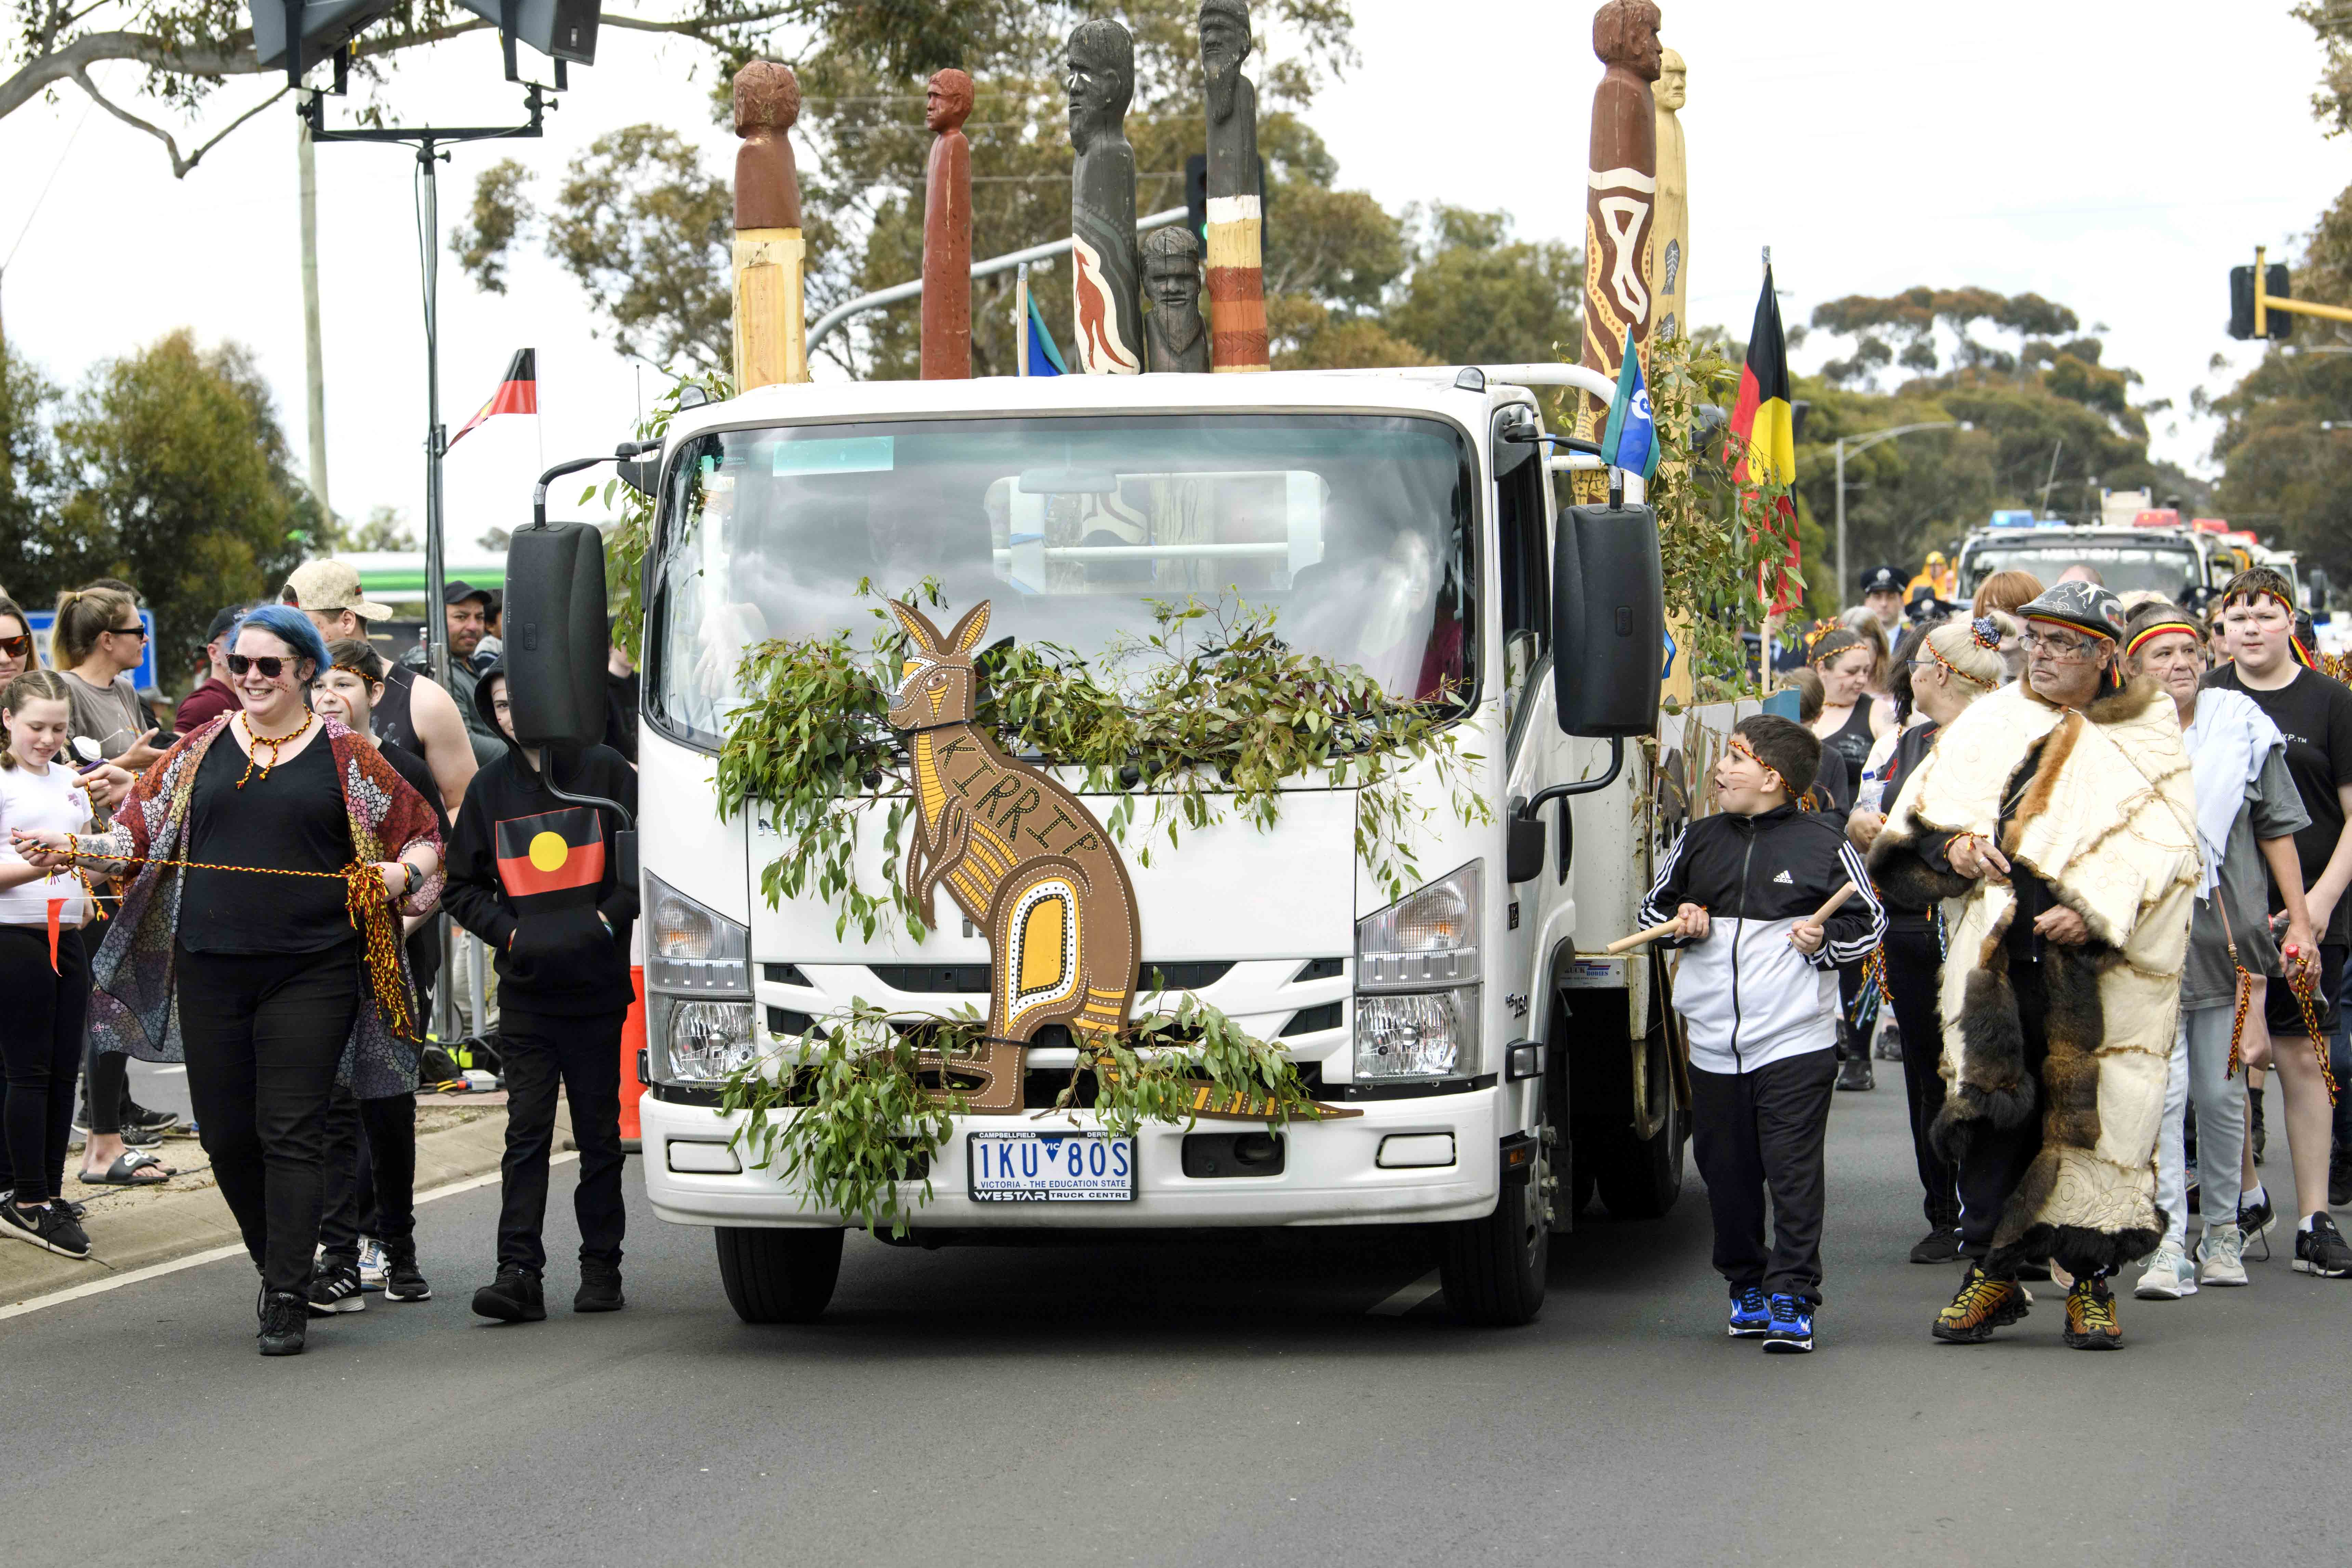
x=1021, y=320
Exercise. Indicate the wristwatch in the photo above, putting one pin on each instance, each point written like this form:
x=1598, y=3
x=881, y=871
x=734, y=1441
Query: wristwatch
x=416, y=878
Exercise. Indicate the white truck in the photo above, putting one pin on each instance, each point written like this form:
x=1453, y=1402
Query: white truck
x=1400, y=520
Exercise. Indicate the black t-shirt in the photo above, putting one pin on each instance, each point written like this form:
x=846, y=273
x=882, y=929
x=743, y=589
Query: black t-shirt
x=425, y=942
x=2315, y=713
x=295, y=819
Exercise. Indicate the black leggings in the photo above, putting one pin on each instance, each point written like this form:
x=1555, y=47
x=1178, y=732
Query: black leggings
x=40, y=1045
x=1913, y=961
x=264, y=1034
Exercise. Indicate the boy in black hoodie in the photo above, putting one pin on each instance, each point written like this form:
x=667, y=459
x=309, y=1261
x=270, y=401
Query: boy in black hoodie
x=532, y=876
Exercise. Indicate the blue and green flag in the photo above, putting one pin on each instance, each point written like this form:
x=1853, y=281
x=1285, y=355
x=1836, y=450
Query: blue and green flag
x=1631, y=441
x=1044, y=359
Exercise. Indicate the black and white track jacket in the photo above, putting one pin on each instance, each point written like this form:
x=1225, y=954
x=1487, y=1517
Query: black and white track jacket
x=1748, y=998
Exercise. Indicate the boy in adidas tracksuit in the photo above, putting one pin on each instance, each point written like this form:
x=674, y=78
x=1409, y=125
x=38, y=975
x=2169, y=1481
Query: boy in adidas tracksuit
x=1757, y=991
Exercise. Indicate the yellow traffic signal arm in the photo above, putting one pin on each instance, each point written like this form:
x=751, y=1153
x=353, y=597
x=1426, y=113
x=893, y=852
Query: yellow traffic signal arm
x=2264, y=304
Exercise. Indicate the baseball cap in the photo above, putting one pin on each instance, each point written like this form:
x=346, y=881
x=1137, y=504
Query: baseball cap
x=457, y=592
x=2085, y=606
x=222, y=622
x=331, y=586
x=1882, y=580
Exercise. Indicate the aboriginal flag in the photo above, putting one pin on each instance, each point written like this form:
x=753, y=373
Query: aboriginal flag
x=551, y=852
x=517, y=394
x=1763, y=419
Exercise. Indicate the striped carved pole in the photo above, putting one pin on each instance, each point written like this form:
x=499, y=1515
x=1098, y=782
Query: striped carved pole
x=1236, y=271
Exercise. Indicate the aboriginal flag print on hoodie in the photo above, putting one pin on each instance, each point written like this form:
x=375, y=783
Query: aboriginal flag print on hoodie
x=532, y=875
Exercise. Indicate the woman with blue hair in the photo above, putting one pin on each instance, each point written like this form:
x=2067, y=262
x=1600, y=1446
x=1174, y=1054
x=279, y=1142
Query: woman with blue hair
x=256, y=943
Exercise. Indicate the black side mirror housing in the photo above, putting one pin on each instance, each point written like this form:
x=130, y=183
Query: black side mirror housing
x=556, y=641
x=1523, y=853
x=1609, y=621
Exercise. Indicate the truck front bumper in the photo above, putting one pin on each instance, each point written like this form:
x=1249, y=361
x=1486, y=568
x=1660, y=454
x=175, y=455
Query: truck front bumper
x=1332, y=1173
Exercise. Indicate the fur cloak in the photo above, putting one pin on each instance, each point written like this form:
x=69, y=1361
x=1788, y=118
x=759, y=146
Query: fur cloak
x=2103, y=813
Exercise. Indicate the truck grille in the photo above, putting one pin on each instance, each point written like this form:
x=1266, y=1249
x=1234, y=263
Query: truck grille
x=971, y=979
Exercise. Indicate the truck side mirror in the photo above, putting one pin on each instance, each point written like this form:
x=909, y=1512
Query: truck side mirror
x=556, y=640
x=1609, y=621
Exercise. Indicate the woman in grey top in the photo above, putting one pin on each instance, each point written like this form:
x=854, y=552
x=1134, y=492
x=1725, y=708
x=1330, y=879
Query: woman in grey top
x=2247, y=814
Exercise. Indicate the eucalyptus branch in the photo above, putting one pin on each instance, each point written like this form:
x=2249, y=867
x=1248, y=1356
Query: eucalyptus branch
x=180, y=166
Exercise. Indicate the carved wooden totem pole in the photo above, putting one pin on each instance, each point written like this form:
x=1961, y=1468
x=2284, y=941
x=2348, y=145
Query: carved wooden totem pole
x=946, y=230
x=1178, y=338
x=1620, y=205
x=1021, y=856
x=1108, y=306
x=1237, y=267
x=771, y=332
x=1669, y=271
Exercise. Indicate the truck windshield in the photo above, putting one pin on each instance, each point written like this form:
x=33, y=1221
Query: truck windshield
x=1356, y=529
x=2168, y=566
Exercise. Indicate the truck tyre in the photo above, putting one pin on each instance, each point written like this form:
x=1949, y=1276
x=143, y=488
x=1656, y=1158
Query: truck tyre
x=1640, y=1178
x=779, y=1276
x=1493, y=1269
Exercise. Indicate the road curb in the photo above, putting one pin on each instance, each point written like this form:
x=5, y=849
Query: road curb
x=186, y=1220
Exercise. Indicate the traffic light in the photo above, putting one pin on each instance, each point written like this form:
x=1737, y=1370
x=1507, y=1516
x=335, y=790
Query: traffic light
x=2241, y=302
x=318, y=28
x=561, y=29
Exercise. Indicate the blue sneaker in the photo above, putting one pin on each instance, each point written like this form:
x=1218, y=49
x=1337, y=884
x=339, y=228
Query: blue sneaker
x=1791, y=1330
x=1752, y=1315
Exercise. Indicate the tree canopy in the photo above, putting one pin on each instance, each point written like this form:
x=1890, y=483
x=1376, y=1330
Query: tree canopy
x=167, y=469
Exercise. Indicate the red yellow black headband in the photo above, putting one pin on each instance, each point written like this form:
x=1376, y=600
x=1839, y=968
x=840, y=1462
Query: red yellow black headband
x=2070, y=626
x=2158, y=630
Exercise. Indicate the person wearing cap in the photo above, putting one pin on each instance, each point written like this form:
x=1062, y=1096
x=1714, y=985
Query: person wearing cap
x=416, y=717
x=212, y=696
x=1882, y=596
x=2315, y=713
x=466, y=611
x=493, y=645
x=2056, y=815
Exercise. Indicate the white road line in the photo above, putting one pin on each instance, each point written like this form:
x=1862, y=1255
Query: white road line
x=157, y=1270
x=1406, y=1300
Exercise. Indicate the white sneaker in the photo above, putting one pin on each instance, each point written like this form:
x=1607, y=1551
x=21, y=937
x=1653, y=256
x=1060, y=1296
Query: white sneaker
x=2220, y=1257
x=371, y=1264
x=2169, y=1276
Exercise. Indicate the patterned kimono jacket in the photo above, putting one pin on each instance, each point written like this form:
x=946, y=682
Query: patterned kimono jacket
x=134, y=1004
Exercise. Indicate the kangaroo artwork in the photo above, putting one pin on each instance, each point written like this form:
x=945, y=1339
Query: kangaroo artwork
x=1022, y=858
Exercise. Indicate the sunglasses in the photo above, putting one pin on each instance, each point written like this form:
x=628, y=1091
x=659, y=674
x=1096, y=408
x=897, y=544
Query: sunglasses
x=139, y=631
x=18, y=647
x=270, y=664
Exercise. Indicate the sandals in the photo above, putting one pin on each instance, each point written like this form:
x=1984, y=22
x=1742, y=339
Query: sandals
x=124, y=1172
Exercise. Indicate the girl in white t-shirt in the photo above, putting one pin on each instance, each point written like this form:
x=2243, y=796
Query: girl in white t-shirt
x=44, y=976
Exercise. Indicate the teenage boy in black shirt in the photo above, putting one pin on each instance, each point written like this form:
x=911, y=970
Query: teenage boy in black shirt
x=1757, y=991
x=2315, y=713
x=532, y=876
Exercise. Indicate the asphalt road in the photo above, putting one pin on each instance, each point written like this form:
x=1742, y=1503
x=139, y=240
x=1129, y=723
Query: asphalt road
x=1223, y=1403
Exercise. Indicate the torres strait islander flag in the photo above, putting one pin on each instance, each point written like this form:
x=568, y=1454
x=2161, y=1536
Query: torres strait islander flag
x=1763, y=419
x=517, y=394
x=551, y=852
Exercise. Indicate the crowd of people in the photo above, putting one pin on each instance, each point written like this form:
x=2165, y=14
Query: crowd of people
x=2095, y=850
x=254, y=889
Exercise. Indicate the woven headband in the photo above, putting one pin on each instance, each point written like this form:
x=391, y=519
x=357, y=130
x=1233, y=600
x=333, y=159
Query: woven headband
x=2158, y=630
x=1978, y=681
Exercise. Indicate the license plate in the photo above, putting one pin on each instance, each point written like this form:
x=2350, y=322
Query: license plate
x=1050, y=1168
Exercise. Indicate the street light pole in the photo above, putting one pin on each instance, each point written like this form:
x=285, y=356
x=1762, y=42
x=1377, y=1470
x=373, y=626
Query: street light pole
x=1863, y=445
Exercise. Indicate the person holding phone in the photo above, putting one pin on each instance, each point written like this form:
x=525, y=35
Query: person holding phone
x=98, y=640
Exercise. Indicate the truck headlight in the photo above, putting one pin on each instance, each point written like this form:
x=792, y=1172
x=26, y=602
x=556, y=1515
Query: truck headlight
x=697, y=988
x=1428, y=938
x=709, y=1041
x=1417, y=997
x=1416, y=1034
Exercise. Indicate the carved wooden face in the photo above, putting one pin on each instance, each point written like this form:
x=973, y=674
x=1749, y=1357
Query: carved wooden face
x=1100, y=80
x=1224, y=40
x=1173, y=281
x=1625, y=32
x=1673, y=89
x=946, y=101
